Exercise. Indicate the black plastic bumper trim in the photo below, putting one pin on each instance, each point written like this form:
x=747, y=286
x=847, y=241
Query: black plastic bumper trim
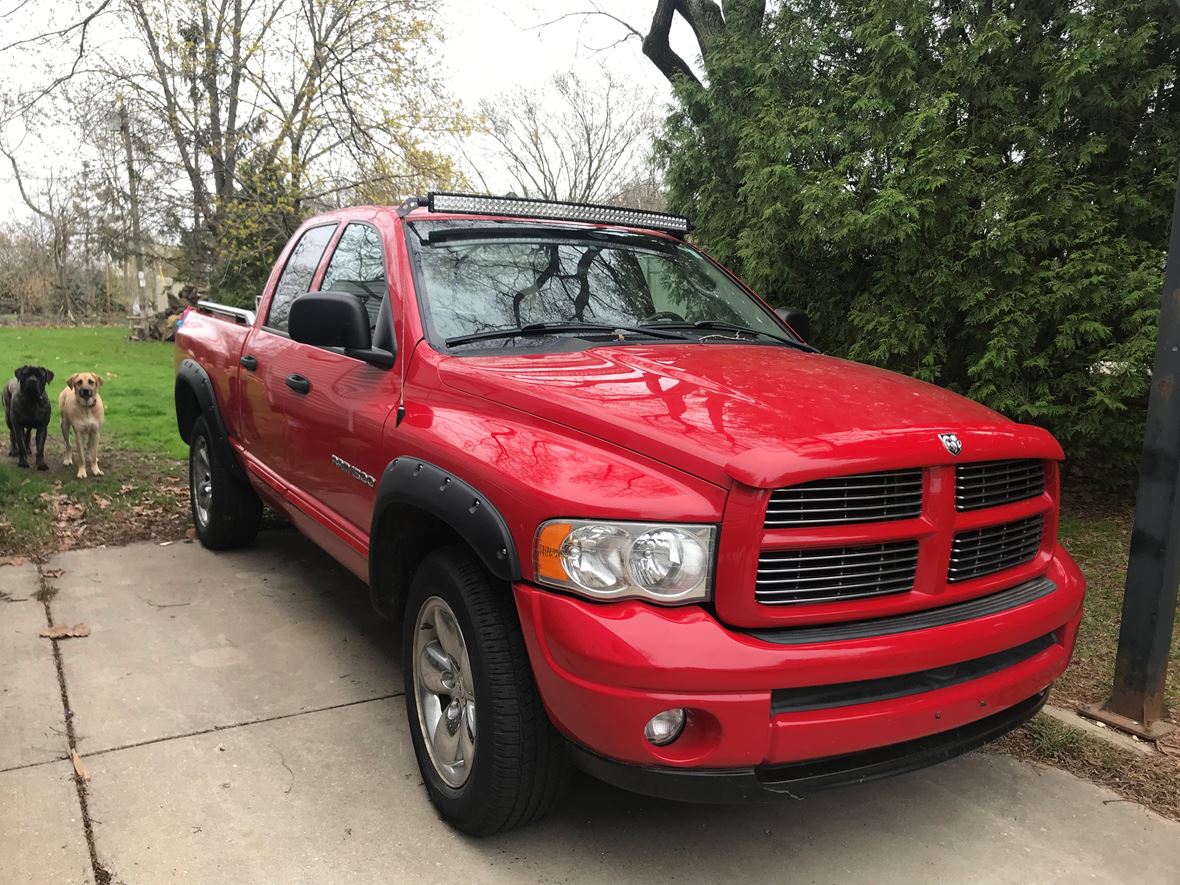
x=866, y=691
x=1022, y=594
x=792, y=781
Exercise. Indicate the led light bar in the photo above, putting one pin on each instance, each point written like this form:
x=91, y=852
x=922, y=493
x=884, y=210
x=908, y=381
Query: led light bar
x=523, y=207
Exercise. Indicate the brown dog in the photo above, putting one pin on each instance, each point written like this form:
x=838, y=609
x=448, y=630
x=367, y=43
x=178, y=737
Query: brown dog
x=82, y=411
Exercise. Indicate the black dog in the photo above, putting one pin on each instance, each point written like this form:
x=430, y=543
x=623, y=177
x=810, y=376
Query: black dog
x=26, y=408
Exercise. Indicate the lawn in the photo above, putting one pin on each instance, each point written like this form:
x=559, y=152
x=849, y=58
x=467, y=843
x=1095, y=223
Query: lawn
x=142, y=494
x=138, y=377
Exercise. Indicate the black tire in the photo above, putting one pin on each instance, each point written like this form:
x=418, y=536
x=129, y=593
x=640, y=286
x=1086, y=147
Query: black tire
x=228, y=514
x=520, y=767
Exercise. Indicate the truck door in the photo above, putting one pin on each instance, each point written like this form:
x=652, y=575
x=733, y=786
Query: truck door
x=335, y=425
x=268, y=361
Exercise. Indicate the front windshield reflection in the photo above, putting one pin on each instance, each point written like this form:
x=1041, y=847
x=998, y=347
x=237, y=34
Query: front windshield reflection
x=475, y=283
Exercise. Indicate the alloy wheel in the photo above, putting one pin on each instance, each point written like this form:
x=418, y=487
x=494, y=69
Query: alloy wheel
x=445, y=692
x=201, y=483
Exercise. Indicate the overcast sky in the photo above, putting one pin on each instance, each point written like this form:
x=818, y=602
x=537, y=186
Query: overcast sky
x=491, y=47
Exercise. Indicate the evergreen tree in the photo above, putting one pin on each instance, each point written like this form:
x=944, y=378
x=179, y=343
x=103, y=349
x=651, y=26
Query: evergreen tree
x=977, y=193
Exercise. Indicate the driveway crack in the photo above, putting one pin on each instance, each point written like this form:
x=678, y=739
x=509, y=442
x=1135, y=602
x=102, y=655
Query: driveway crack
x=232, y=725
x=102, y=876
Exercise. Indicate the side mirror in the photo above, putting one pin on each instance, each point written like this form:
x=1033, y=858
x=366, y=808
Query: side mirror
x=794, y=318
x=330, y=319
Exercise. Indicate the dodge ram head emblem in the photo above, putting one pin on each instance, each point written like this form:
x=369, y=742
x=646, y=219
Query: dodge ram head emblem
x=953, y=444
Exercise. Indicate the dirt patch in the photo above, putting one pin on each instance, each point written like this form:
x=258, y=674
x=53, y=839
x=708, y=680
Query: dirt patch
x=139, y=498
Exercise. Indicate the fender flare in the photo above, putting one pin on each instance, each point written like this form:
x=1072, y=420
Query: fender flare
x=418, y=483
x=190, y=375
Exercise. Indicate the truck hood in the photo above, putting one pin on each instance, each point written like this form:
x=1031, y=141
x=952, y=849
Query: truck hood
x=765, y=416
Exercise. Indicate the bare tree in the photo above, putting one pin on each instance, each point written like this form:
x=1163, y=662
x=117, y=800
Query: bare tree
x=576, y=139
x=706, y=19
x=25, y=250
x=304, y=83
x=332, y=93
x=54, y=206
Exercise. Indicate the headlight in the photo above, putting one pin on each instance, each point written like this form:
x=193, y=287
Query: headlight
x=661, y=563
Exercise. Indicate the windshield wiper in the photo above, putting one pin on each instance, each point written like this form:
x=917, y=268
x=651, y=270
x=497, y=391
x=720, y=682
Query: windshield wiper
x=531, y=329
x=723, y=326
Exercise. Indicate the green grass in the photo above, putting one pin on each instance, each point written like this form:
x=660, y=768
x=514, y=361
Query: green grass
x=138, y=378
x=140, y=451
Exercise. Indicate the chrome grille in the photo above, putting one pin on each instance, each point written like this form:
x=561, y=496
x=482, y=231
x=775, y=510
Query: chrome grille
x=867, y=497
x=834, y=573
x=995, y=548
x=992, y=483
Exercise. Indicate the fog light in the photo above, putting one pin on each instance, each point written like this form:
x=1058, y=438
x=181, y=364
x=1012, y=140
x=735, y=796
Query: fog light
x=663, y=728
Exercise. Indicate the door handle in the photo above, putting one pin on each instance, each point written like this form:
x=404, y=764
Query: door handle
x=298, y=383
x=248, y=363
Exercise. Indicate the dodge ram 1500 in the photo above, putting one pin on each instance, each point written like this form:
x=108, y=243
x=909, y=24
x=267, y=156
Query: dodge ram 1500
x=627, y=517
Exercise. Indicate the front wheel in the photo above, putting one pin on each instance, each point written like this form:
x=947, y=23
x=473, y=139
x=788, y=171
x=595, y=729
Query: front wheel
x=226, y=511
x=489, y=757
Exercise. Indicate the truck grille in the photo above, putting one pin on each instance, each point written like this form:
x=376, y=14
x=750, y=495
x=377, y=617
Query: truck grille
x=992, y=483
x=835, y=573
x=868, y=497
x=995, y=548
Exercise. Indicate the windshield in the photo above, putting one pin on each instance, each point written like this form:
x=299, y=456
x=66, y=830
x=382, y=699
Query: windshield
x=477, y=277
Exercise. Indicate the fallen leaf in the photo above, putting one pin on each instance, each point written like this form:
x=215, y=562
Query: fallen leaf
x=102, y=502
x=53, y=572
x=13, y=560
x=65, y=631
x=71, y=512
x=79, y=768
x=165, y=543
x=190, y=532
x=124, y=489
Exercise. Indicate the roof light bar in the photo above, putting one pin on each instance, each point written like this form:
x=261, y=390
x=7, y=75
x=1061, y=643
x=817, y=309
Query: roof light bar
x=524, y=207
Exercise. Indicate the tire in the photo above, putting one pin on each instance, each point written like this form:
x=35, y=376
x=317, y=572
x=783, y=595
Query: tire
x=225, y=510
x=517, y=768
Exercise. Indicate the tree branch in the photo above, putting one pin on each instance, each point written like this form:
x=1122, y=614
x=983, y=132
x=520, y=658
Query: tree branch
x=20, y=186
x=659, y=50
x=82, y=25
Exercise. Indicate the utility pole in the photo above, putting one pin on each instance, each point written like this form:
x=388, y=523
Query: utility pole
x=133, y=200
x=1136, y=702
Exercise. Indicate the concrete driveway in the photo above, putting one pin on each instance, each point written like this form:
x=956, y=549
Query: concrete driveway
x=241, y=718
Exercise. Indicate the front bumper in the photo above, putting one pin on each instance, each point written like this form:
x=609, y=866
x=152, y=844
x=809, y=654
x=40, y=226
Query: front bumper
x=797, y=779
x=758, y=709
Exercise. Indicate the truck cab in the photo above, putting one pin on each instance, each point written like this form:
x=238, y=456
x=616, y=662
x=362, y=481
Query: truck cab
x=626, y=517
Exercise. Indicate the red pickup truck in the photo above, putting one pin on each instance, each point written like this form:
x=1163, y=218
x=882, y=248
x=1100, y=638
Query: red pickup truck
x=626, y=516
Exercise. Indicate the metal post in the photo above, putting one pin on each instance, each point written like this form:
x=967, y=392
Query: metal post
x=1149, y=607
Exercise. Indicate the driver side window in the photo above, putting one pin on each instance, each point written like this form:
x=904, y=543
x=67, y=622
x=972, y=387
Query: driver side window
x=358, y=268
x=298, y=273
